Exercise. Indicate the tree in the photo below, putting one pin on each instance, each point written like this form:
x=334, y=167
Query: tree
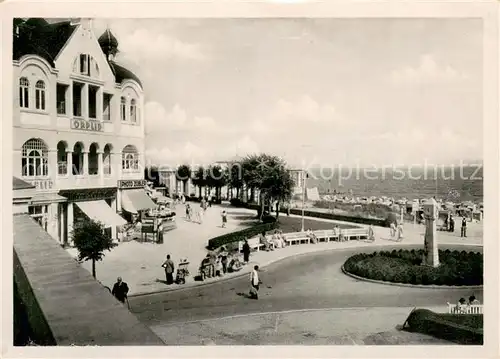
x=152, y=174
x=91, y=240
x=216, y=178
x=183, y=174
x=269, y=175
x=235, y=177
x=200, y=179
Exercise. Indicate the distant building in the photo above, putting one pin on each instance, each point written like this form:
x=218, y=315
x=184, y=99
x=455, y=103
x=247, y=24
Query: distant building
x=298, y=176
x=78, y=133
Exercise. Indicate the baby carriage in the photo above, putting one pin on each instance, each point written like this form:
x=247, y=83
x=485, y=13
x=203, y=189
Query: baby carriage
x=182, y=272
x=207, y=268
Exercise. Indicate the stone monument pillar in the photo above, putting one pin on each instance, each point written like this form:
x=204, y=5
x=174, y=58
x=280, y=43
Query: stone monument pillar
x=431, y=254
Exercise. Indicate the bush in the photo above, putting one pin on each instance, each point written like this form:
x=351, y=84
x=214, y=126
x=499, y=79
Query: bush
x=462, y=329
x=404, y=266
x=391, y=218
x=246, y=233
x=236, y=202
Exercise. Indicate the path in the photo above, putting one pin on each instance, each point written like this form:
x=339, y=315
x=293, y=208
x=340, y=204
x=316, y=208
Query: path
x=308, y=281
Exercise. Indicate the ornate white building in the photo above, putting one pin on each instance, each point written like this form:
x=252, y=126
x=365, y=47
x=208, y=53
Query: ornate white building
x=78, y=125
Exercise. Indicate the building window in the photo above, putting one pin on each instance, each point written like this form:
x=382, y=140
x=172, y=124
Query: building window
x=123, y=109
x=62, y=158
x=40, y=95
x=106, y=115
x=61, y=99
x=24, y=90
x=35, y=158
x=133, y=111
x=77, y=99
x=130, y=158
x=39, y=214
x=92, y=97
x=93, y=158
x=77, y=159
x=84, y=64
x=106, y=160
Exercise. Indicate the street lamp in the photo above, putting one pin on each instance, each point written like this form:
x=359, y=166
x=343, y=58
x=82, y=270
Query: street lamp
x=304, y=198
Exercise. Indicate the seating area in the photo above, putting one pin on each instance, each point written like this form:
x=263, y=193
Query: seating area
x=305, y=238
x=466, y=309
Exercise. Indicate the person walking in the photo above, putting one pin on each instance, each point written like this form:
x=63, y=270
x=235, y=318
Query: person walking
x=188, y=212
x=224, y=218
x=254, y=283
x=160, y=232
x=452, y=225
x=246, y=252
x=463, y=232
x=371, y=233
x=393, y=230
x=120, y=290
x=169, y=270
x=400, y=232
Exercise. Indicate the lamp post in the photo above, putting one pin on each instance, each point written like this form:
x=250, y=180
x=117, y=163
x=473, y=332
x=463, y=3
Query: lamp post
x=303, y=198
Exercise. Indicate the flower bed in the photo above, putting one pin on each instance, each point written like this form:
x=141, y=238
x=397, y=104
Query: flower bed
x=457, y=268
x=462, y=329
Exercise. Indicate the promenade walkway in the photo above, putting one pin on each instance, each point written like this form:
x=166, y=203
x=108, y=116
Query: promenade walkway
x=140, y=263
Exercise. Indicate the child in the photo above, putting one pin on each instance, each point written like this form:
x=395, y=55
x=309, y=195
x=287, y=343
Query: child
x=224, y=218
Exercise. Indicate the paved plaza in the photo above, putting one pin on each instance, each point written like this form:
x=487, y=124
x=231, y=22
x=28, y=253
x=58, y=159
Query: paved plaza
x=140, y=263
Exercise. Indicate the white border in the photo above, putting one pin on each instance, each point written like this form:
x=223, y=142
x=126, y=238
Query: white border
x=487, y=10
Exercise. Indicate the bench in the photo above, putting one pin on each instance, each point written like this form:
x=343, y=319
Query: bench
x=355, y=233
x=297, y=238
x=254, y=244
x=468, y=309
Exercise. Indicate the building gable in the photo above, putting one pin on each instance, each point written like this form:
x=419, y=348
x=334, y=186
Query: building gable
x=84, y=41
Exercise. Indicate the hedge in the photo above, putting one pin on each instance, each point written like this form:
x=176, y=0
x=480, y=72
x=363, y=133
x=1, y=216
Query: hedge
x=246, y=233
x=308, y=213
x=458, y=328
x=457, y=268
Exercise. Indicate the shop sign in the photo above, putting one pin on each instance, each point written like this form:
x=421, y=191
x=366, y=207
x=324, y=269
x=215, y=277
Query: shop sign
x=42, y=184
x=131, y=183
x=89, y=194
x=86, y=125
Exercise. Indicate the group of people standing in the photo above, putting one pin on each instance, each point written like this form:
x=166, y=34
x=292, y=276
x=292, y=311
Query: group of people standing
x=396, y=231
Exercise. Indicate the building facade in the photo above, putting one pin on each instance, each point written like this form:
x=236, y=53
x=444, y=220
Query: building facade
x=78, y=125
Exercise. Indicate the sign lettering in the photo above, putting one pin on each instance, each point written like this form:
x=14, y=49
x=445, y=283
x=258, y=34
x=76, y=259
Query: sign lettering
x=86, y=125
x=89, y=193
x=131, y=183
x=42, y=184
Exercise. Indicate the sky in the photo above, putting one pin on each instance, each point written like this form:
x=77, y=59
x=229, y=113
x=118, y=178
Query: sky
x=314, y=91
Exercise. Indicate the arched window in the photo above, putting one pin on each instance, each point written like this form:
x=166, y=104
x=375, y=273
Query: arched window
x=130, y=158
x=35, y=157
x=24, y=90
x=123, y=109
x=93, y=159
x=85, y=64
x=62, y=158
x=40, y=95
x=77, y=159
x=106, y=159
x=133, y=111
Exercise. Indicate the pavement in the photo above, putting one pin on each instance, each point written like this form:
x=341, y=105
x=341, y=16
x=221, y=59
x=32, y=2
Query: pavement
x=139, y=264
x=359, y=326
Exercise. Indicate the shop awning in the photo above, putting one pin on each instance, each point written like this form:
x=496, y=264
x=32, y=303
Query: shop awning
x=100, y=211
x=134, y=200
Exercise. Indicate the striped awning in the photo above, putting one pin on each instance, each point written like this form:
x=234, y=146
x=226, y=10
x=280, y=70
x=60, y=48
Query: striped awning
x=100, y=211
x=134, y=200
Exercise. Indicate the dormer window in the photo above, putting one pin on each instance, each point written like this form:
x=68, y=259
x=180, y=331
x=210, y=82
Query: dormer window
x=86, y=65
x=24, y=86
x=123, y=109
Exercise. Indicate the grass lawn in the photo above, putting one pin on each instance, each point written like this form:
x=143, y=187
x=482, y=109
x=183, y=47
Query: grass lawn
x=293, y=224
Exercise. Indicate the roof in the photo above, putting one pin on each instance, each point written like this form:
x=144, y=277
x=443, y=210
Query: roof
x=18, y=183
x=121, y=73
x=37, y=37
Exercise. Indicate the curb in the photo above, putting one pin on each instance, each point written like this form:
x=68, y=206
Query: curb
x=431, y=286
x=261, y=266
